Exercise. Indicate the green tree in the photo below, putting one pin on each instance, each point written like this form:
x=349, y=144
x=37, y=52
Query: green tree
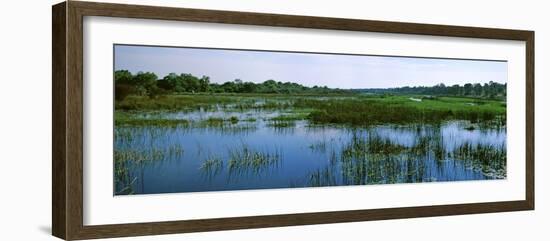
x=248, y=87
x=123, y=77
x=171, y=82
x=229, y=87
x=190, y=82
x=123, y=84
x=270, y=86
x=478, y=89
x=146, y=82
x=204, y=83
x=468, y=89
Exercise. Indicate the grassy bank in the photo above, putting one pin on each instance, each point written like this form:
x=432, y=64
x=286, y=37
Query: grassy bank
x=334, y=109
x=403, y=109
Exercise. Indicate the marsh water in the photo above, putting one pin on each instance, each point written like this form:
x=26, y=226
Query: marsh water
x=254, y=151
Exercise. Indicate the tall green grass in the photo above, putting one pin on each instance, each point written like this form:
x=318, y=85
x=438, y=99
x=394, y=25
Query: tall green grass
x=352, y=109
x=127, y=162
x=374, y=111
x=244, y=159
x=369, y=158
x=489, y=159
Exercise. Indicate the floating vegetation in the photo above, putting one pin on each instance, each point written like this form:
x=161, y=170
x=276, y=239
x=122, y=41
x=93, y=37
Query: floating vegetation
x=234, y=120
x=213, y=122
x=173, y=102
x=327, y=141
x=489, y=159
x=290, y=117
x=279, y=105
x=151, y=122
x=231, y=129
x=218, y=122
x=158, y=127
x=282, y=124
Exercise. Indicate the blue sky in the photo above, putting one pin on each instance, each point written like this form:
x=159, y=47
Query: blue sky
x=335, y=71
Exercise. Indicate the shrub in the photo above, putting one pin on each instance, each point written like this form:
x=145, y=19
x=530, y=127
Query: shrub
x=122, y=91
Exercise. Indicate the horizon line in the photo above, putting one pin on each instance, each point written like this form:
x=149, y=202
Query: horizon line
x=322, y=86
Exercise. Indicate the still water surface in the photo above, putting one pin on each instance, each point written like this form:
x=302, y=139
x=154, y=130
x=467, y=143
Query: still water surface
x=257, y=153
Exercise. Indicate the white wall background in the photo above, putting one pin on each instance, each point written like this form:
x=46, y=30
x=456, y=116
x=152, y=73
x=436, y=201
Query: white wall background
x=25, y=122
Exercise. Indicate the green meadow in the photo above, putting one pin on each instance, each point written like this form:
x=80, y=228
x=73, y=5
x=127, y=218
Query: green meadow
x=182, y=133
x=347, y=109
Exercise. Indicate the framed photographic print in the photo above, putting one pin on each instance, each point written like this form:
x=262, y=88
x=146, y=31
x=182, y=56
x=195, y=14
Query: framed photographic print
x=171, y=120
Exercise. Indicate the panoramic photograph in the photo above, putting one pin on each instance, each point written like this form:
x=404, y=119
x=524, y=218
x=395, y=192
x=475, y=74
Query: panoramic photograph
x=203, y=119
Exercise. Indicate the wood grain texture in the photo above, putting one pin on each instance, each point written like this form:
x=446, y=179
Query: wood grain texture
x=121, y=230
x=530, y=120
x=280, y=20
x=67, y=78
x=59, y=191
x=74, y=121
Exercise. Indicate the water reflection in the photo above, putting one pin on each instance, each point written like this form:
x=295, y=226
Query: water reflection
x=263, y=153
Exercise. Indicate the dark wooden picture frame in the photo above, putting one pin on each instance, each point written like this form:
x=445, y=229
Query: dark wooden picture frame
x=67, y=150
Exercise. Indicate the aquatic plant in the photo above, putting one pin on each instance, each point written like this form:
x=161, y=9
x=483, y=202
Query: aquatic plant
x=139, y=155
x=127, y=161
x=371, y=144
x=354, y=110
x=470, y=128
x=124, y=135
x=290, y=117
x=363, y=153
x=173, y=102
x=281, y=124
x=175, y=150
x=123, y=179
x=489, y=159
x=213, y=122
x=319, y=146
x=151, y=122
x=245, y=158
x=397, y=110
x=234, y=120
x=212, y=165
x=250, y=119
x=422, y=145
x=217, y=122
x=322, y=178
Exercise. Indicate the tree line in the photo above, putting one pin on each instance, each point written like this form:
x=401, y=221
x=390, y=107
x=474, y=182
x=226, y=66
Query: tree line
x=148, y=84
x=490, y=90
